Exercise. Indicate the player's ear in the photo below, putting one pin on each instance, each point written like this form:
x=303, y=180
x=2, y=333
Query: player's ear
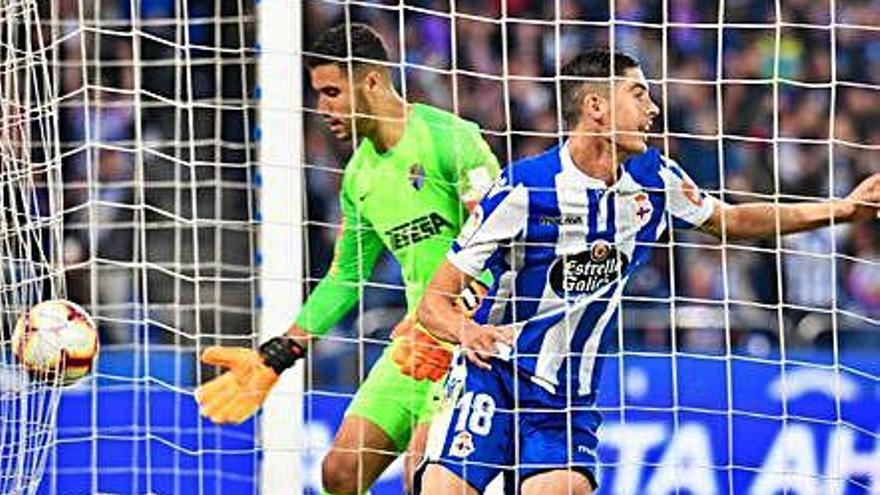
x=373, y=80
x=595, y=107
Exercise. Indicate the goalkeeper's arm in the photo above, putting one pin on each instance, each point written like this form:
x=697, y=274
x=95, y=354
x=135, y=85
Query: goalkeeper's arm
x=237, y=394
x=355, y=254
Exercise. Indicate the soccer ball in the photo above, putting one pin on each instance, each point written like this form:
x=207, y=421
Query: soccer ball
x=56, y=340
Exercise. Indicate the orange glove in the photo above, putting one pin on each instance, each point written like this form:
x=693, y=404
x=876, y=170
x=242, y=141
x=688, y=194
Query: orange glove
x=418, y=353
x=236, y=395
x=421, y=355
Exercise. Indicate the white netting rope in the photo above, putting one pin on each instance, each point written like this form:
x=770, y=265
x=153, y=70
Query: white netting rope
x=127, y=152
x=159, y=223
x=30, y=233
x=848, y=156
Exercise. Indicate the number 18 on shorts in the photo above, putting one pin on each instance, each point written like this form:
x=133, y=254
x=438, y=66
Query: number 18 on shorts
x=485, y=430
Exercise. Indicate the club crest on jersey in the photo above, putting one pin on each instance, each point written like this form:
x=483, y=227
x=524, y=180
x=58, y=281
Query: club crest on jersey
x=588, y=271
x=416, y=176
x=644, y=208
x=462, y=445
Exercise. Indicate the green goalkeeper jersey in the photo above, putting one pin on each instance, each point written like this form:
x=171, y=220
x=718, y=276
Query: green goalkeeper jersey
x=412, y=200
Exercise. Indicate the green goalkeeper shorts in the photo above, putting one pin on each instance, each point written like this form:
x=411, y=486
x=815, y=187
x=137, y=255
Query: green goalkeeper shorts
x=395, y=402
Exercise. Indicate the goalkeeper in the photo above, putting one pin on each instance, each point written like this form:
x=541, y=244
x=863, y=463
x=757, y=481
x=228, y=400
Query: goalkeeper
x=408, y=187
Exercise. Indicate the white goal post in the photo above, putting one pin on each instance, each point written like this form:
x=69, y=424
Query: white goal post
x=279, y=87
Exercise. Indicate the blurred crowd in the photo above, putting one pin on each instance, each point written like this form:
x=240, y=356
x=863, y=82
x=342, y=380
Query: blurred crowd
x=811, y=137
x=151, y=163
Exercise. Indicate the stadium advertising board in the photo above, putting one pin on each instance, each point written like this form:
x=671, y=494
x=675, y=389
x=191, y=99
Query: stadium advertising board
x=696, y=425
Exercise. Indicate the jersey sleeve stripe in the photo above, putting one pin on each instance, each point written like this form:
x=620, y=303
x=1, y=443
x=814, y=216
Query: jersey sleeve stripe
x=501, y=221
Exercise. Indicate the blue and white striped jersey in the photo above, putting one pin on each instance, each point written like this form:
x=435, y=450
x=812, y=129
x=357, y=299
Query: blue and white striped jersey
x=561, y=246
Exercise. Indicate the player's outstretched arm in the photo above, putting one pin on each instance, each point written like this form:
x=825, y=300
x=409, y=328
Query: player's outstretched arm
x=438, y=311
x=753, y=220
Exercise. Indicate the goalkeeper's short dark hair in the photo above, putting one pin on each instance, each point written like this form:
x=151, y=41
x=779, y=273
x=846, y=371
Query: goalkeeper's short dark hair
x=594, y=64
x=332, y=47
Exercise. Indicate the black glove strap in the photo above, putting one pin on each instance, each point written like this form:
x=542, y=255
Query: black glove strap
x=472, y=295
x=280, y=353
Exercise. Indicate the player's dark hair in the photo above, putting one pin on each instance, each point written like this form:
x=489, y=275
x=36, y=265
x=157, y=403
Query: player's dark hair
x=593, y=64
x=332, y=47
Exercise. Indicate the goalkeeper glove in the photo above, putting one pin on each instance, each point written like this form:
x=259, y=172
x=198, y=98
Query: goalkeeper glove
x=421, y=355
x=236, y=395
x=418, y=353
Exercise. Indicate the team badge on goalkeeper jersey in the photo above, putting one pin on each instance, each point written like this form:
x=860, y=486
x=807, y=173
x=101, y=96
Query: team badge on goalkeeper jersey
x=416, y=176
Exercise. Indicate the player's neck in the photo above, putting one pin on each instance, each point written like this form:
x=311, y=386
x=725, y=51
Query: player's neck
x=594, y=156
x=390, y=122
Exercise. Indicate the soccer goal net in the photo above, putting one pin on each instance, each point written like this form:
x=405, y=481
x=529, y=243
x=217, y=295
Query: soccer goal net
x=30, y=238
x=737, y=366
x=127, y=185
x=163, y=164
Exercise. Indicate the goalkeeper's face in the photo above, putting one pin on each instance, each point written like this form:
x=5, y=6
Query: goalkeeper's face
x=334, y=98
x=634, y=112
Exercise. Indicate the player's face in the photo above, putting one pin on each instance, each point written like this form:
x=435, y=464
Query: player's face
x=334, y=98
x=634, y=112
